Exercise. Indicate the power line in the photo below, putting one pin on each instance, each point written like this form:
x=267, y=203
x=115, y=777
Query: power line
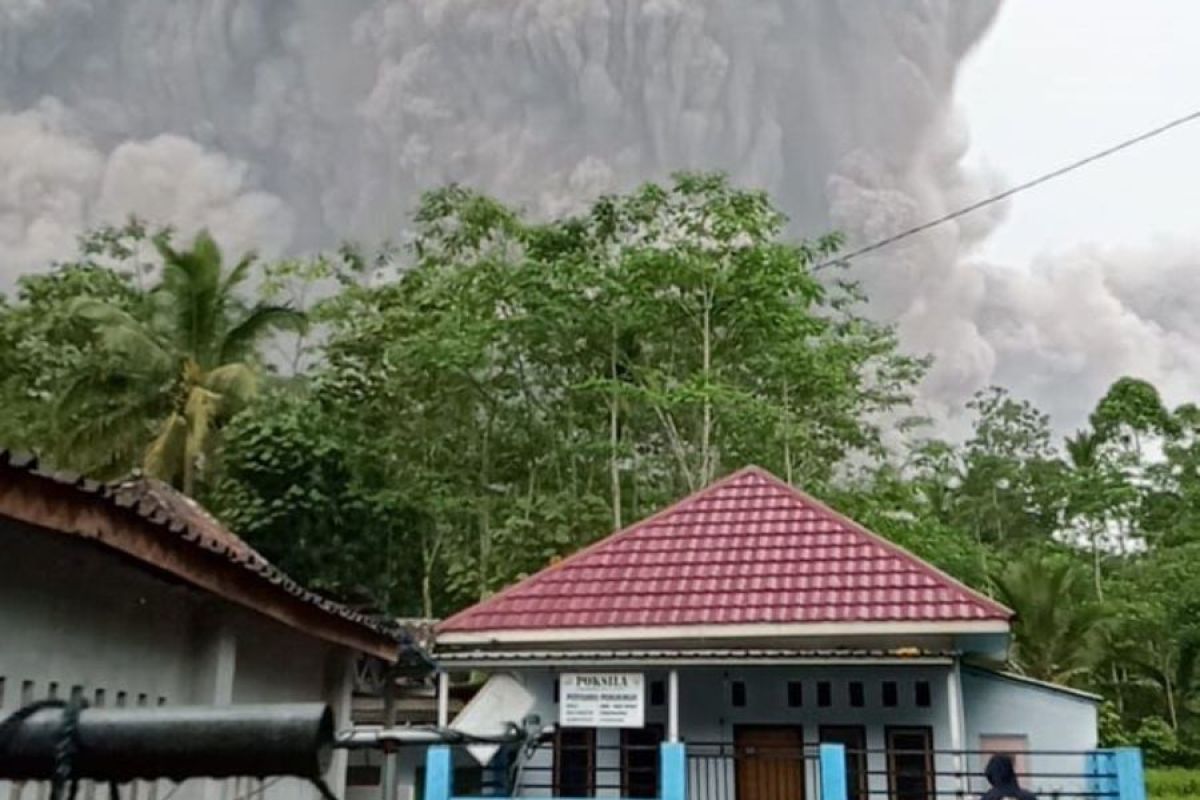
x=1049, y=176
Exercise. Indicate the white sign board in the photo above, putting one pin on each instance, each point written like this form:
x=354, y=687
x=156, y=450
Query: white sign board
x=602, y=700
x=501, y=700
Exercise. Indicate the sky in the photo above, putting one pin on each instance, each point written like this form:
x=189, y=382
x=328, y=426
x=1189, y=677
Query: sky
x=1054, y=81
x=288, y=127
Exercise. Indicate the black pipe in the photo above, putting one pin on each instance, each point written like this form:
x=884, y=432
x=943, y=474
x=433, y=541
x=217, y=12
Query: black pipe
x=122, y=744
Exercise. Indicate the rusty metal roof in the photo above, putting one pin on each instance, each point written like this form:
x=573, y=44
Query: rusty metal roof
x=748, y=550
x=177, y=515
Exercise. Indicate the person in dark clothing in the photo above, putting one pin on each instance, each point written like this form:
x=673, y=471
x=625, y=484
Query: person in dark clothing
x=1002, y=776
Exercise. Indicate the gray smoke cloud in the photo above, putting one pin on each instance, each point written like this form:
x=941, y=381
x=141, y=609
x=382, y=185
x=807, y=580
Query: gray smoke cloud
x=288, y=125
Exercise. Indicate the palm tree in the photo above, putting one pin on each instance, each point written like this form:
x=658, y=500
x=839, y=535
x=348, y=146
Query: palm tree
x=170, y=374
x=1058, y=624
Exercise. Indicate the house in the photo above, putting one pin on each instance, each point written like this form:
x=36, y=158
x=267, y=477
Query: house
x=752, y=623
x=131, y=594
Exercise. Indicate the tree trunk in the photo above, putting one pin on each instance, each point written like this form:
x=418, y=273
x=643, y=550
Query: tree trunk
x=1169, y=690
x=787, y=438
x=1096, y=564
x=614, y=435
x=706, y=465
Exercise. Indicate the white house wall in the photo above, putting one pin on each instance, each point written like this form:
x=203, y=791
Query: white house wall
x=706, y=714
x=1050, y=720
x=75, y=616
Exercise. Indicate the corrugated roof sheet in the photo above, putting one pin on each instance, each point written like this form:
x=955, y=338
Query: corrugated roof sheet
x=748, y=549
x=180, y=516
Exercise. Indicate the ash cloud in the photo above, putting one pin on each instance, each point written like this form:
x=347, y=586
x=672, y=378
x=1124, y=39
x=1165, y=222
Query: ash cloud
x=289, y=124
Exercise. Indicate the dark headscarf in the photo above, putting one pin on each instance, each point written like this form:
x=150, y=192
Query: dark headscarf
x=1002, y=775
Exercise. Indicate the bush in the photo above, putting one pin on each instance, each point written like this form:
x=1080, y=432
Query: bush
x=1173, y=784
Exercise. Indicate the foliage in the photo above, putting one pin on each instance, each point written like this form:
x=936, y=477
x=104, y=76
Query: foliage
x=164, y=375
x=1058, y=624
x=459, y=412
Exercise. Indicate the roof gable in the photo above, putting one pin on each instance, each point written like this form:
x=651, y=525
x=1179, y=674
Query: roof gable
x=748, y=550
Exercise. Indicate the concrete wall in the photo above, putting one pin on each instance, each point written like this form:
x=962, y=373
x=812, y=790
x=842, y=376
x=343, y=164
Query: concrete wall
x=1048, y=720
x=75, y=616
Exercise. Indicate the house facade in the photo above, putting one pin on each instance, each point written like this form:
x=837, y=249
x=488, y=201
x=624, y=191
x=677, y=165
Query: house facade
x=755, y=623
x=132, y=595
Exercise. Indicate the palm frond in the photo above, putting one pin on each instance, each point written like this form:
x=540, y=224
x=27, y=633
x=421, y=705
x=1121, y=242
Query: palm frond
x=238, y=274
x=192, y=280
x=241, y=340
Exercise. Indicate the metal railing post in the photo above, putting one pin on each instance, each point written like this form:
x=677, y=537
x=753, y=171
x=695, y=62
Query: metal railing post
x=672, y=773
x=833, y=772
x=439, y=773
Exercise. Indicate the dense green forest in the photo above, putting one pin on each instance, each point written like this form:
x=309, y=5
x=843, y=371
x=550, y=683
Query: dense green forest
x=412, y=428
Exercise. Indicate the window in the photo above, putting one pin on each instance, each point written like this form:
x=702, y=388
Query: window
x=737, y=694
x=921, y=694
x=824, y=694
x=854, y=739
x=856, y=694
x=910, y=763
x=890, y=695
x=575, y=762
x=639, y=761
x=795, y=691
x=658, y=693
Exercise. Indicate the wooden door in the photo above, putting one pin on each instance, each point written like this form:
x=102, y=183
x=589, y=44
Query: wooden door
x=770, y=763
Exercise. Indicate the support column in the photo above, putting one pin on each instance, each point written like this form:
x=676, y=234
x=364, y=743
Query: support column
x=672, y=772
x=673, y=706
x=954, y=710
x=438, y=774
x=339, y=694
x=833, y=771
x=216, y=647
x=387, y=782
x=443, y=696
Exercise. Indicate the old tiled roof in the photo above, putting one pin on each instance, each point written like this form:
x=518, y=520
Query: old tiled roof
x=179, y=516
x=748, y=550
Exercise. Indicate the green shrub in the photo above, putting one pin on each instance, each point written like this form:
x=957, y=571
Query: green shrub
x=1173, y=784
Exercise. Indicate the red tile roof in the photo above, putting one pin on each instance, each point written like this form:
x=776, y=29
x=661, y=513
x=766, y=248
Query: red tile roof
x=747, y=550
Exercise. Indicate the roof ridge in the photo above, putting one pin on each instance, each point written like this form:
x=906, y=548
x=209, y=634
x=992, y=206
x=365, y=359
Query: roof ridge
x=696, y=534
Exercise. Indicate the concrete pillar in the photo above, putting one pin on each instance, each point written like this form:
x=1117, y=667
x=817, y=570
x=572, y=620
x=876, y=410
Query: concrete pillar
x=443, y=698
x=439, y=776
x=672, y=772
x=339, y=694
x=833, y=771
x=387, y=777
x=954, y=710
x=216, y=671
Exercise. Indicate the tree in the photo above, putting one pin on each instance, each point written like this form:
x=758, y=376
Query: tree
x=1010, y=489
x=1058, y=626
x=533, y=384
x=43, y=344
x=170, y=374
